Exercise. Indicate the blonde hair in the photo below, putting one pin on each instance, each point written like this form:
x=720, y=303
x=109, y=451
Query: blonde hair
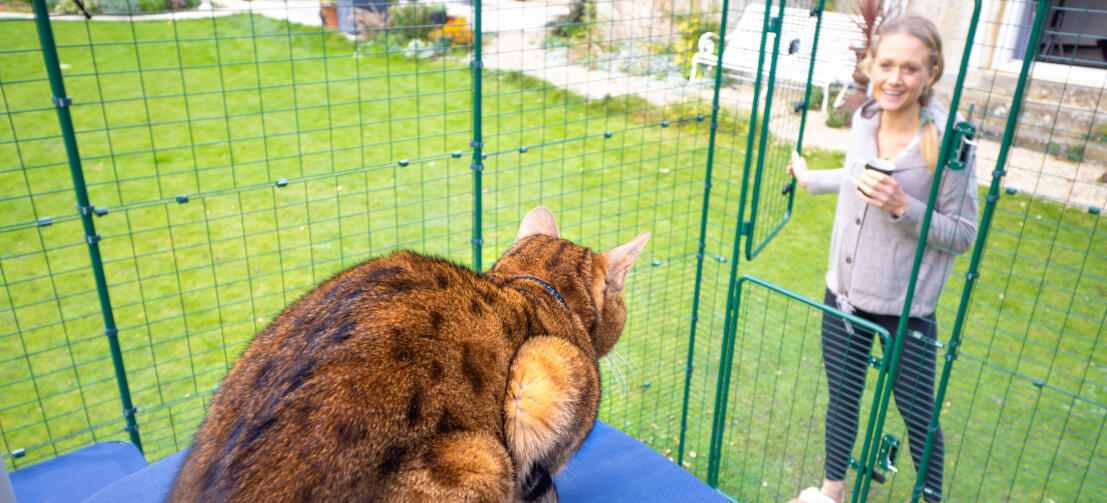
x=924, y=30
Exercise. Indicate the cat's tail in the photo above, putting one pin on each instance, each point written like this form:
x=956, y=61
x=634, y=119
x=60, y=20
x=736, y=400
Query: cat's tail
x=538, y=486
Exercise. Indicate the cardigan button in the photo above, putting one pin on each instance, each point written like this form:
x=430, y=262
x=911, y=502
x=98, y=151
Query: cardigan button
x=858, y=221
x=848, y=260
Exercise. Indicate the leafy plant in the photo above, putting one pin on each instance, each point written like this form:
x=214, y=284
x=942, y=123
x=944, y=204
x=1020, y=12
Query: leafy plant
x=577, y=24
x=121, y=6
x=1074, y=152
x=837, y=117
x=413, y=21
x=1098, y=133
x=691, y=28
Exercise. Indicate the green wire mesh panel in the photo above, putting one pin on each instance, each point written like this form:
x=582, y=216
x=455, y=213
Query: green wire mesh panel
x=1026, y=407
x=57, y=388
x=785, y=69
x=239, y=160
x=775, y=412
x=586, y=109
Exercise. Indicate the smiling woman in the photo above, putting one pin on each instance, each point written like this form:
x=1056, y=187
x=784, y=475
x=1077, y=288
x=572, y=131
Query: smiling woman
x=888, y=173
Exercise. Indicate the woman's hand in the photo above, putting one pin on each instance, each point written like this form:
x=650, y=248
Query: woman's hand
x=798, y=169
x=882, y=191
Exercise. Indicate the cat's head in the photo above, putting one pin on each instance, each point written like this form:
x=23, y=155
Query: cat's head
x=591, y=283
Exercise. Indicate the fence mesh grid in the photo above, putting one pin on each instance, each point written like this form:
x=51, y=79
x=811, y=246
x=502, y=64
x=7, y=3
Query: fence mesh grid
x=238, y=156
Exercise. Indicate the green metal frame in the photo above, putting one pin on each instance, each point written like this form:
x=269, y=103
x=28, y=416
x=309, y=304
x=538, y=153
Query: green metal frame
x=700, y=243
x=727, y=361
x=869, y=451
x=61, y=102
x=979, y=246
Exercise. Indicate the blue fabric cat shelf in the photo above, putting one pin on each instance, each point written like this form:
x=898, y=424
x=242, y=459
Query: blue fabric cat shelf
x=610, y=467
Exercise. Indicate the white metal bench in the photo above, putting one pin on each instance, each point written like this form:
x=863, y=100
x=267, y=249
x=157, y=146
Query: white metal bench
x=834, y=60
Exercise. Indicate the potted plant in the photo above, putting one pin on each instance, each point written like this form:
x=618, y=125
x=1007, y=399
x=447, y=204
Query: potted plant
x=328, y=12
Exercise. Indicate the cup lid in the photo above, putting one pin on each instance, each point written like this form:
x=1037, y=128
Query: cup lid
x=882, y=165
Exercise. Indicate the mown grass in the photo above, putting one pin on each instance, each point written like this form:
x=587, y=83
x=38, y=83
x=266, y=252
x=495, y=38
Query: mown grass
x=250, y=159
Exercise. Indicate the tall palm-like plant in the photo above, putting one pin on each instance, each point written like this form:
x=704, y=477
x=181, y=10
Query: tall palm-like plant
x=868, y=16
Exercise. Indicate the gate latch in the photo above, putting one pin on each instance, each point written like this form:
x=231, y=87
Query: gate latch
x=889, y=449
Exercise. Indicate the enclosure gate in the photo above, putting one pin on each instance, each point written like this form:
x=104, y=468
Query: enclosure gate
x=246, y=203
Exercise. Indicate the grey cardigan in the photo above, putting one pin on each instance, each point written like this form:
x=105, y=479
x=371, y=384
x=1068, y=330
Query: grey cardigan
x=871, y=252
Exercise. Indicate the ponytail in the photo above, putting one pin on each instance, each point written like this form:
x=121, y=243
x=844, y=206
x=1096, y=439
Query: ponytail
x=929, y=145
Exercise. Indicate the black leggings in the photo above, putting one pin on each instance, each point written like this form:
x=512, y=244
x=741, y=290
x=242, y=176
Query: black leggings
x=846, y=358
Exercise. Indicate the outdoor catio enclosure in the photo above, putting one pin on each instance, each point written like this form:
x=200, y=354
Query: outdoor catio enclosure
x=169, y=182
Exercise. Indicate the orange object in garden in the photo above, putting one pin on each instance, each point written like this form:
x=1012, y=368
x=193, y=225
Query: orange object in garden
x=456, y=31
x=329, y=15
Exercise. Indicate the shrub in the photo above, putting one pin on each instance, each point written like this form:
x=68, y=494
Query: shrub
x=837, y=117
x=414, y=21
x=1074, y=152
x=121, y=6
x=577, y=24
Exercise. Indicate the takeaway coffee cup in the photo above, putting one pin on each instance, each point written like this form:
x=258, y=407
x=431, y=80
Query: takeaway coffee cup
x=882, y=165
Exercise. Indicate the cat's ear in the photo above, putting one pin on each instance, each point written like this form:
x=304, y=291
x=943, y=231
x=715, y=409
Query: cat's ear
x=539, y=221
x=617, y=262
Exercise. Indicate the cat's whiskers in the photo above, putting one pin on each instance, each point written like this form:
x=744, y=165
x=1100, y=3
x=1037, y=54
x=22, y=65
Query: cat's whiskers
x=617, y=367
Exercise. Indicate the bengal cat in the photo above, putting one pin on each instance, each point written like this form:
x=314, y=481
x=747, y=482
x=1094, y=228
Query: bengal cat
x=408, y=378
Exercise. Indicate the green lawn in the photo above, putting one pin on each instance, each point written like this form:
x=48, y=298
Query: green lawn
x=242, y=160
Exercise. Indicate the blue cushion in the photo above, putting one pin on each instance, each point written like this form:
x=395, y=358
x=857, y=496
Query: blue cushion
x=75, y=475
x=610, y=467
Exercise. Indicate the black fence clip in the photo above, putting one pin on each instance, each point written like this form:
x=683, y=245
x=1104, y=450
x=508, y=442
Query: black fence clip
x=61, y=102
x=476, y=63
x=183, y=198
x=93, y=239
x=991, y=198
x=477, y=241
x=44, y=221
x=86, y=209
x=111, y=332
x=476, y=144
x=815, y=11
x=477, y=166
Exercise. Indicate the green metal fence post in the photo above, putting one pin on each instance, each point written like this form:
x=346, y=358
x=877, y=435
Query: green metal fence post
x=61, y=104
x=869, y=454
x=702, y=243
x=729, y=318
x=476, y=64
x=981, y=238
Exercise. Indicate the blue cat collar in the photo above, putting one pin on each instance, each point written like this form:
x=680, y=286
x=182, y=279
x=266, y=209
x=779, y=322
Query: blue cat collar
x=549, y=288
